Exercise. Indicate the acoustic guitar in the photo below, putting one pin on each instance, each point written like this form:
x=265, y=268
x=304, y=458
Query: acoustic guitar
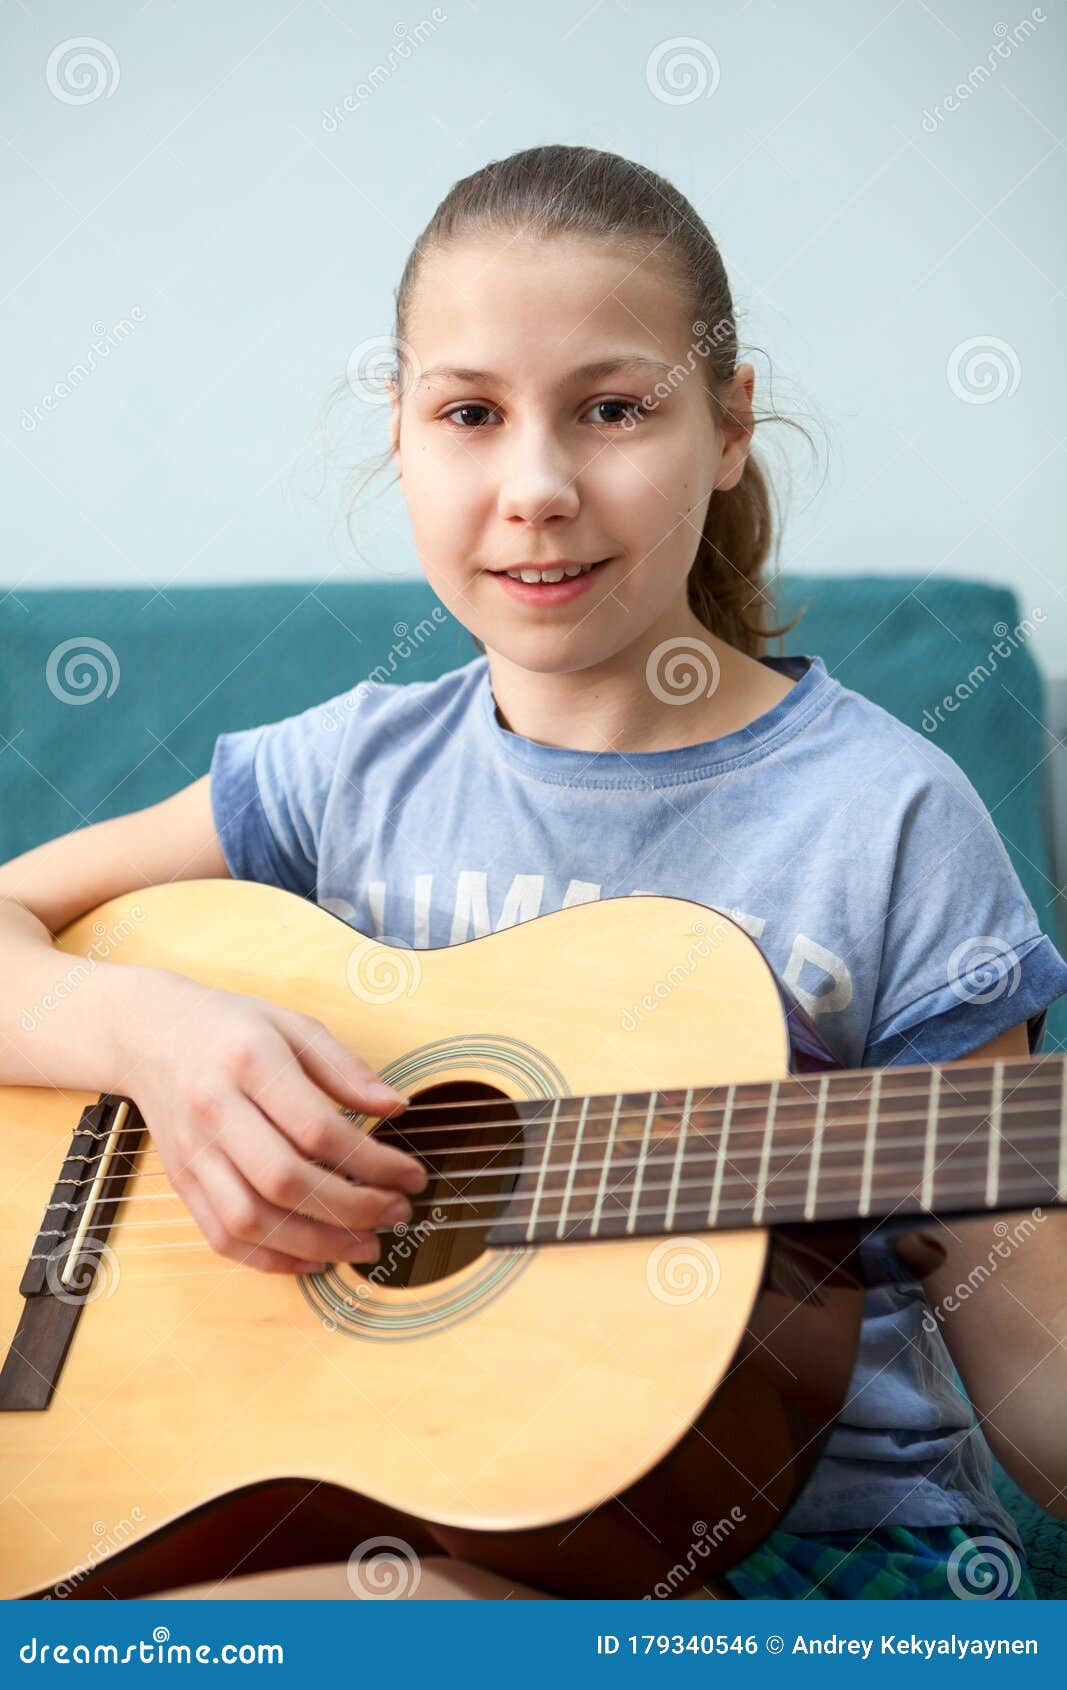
x=603, y=1356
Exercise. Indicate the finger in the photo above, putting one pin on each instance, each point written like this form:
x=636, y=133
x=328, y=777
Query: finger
x=290, y=1095
x=246, y=1216
x=257, y=1256
x=273, y=1167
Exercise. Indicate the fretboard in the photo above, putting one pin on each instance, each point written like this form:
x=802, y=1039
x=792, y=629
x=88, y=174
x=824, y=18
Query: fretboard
x=851, y=1144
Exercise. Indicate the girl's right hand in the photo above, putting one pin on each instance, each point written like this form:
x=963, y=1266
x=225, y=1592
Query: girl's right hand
x=231, y=1089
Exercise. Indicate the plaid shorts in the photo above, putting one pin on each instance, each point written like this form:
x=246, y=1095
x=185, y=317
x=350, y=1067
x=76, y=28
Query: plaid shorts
x=934, y=1563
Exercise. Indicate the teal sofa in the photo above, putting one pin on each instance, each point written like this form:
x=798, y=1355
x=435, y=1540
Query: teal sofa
x=111, y=698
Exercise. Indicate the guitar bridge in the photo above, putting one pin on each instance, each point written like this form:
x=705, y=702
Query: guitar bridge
x=68, y=1252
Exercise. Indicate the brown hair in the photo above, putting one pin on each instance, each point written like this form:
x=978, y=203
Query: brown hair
x=599, y=196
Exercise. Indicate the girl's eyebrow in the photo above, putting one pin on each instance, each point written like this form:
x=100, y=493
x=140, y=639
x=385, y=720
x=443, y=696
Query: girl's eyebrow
x=584, y=372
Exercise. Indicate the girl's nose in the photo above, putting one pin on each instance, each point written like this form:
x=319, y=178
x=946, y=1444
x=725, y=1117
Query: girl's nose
x=538, y=481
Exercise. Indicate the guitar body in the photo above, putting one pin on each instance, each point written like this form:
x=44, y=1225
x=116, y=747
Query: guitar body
x=614, y=1418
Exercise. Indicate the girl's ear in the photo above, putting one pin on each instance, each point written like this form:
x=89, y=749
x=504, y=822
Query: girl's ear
x=394, y=435
x=737, y=428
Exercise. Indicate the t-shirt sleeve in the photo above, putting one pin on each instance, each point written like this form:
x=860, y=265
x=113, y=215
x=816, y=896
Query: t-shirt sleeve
x=963, y=954
x=269, y=787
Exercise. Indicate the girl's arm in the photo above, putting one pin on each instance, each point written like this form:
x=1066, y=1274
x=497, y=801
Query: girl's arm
x=1000, y=1301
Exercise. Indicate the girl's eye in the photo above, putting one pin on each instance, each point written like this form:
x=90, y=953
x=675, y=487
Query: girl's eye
x=635, y=409
x=465, y=410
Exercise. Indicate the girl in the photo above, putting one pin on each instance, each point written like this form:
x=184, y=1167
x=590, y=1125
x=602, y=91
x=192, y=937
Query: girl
x=573, y=437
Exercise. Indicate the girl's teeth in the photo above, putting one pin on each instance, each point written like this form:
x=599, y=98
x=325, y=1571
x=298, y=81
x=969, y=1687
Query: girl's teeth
x=533, y=576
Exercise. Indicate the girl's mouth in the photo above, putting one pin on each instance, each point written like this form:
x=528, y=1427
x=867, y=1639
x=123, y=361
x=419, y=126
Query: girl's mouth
x=550, y=592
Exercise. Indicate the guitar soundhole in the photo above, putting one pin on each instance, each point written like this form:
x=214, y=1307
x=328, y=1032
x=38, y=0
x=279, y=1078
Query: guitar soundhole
x=469, y=1138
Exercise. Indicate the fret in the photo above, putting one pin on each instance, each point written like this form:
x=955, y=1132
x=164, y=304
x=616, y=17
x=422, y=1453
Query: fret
x=816, y=1149
x=930, y=1148
x=631, y=1219
x=1061, y=1188
x=992, y=1178
x=606, y=1164
x=531, y=1226
x=868, y=1145
x=569, y=1186
x=761, y=1182
x=720, y=1161
x=679, y=1157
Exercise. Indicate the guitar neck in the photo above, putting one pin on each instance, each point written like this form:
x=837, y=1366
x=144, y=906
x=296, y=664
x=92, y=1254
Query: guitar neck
x=855, y=1144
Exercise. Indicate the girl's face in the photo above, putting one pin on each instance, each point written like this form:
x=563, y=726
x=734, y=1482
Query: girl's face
x=512, y=453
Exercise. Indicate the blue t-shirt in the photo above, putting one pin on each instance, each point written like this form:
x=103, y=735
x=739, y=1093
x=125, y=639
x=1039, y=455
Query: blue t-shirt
x=856, y=854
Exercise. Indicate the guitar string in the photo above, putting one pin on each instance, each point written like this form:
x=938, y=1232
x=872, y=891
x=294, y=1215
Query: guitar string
x=774, y=1180
x=888, y=1094
x=516, y=1200
x=572, y=1221
x=669, y=1142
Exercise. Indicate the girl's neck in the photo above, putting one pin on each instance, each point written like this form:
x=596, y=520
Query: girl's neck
x=613, y=707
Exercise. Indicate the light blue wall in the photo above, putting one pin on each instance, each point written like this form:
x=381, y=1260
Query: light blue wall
x=228, y=246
